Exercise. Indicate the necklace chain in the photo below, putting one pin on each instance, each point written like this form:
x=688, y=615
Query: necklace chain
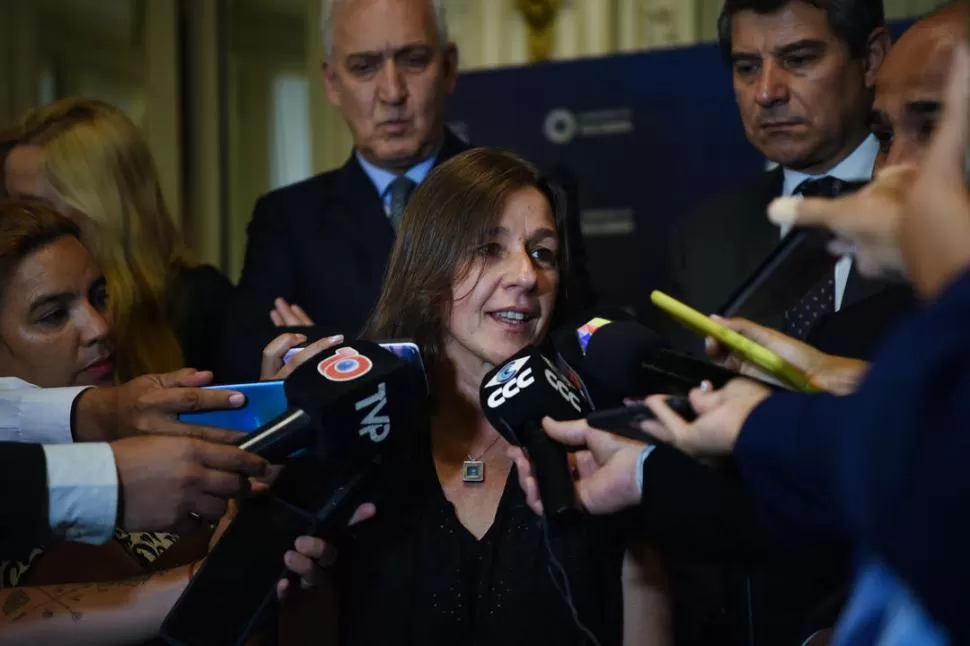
x=487, y=449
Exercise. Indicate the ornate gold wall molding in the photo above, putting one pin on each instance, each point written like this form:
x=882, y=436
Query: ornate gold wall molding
x=540, y=17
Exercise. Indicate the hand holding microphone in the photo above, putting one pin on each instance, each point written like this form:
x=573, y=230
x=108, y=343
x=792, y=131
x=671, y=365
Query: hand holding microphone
x=515, y=397
x=606, y=467
x=310, y=555
x=353, y=410
x=306, y=560
x=610, y=467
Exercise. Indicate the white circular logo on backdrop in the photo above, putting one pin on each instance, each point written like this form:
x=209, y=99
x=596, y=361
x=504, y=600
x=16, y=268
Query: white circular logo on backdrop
x=560, y=126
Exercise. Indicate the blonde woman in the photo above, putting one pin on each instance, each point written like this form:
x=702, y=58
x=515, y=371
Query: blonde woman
x=85, y=156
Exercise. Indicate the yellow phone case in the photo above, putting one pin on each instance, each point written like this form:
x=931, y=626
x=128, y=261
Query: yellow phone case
x=753, y=352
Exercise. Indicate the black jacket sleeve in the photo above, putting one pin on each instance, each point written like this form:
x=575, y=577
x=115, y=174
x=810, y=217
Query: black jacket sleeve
x=24, y=521
x=201, y=299
x=268, y=273
x=700, y=513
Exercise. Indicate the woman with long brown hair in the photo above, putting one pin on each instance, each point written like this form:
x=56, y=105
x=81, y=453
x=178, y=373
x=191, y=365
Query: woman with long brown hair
x=474, y=276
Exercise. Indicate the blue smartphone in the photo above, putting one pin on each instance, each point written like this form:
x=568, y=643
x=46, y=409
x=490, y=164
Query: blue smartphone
x=266, y=400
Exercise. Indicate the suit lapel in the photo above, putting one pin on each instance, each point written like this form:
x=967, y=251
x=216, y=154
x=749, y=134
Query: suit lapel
x=367, y=219
x=858, y=288
x=762, y=235
x=757, y=237
x=363, y=223
x=752, y=234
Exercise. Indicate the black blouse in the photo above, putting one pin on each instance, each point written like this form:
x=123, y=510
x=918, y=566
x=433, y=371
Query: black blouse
x=415, y=575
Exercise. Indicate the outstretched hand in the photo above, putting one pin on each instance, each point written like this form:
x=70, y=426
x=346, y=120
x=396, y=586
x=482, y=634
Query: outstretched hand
x=606, y=467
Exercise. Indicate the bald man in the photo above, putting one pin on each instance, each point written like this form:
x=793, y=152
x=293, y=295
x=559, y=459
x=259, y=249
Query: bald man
x=911, y=82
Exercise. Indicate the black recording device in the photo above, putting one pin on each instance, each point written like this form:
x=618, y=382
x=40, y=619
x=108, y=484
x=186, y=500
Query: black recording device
x=515, y=396
x=799, y=262
x=632, y=360
x=625, y=420
x=353, y=410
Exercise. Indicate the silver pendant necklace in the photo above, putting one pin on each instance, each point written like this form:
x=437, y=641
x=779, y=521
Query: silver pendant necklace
x=473, y=469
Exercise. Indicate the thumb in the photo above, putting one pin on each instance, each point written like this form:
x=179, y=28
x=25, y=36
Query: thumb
x=807, y=211
x=570, y=433
x=704, y=401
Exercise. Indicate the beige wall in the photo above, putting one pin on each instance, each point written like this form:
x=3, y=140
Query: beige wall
x=122, y=51
x=127, y=52
x=492, y=33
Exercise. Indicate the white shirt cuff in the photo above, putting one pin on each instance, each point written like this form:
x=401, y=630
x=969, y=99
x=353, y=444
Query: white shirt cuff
x=644, y=454
x=82, y=482
x=44, y=414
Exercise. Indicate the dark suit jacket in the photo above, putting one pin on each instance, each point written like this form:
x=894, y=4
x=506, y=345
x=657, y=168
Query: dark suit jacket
x=24, y=523
x=323, y=244
x=719, y=246
x=199, y=300
x=715, y=250
x=886, y=466
x=775, y=586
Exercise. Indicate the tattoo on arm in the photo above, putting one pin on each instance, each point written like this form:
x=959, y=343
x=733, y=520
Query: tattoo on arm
x=52, y=601
x=135, y=582
x=63, y=596
x=15, y=602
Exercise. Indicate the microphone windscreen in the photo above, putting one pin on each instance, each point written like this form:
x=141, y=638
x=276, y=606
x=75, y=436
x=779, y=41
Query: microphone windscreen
x=526, y=388
x=616, y=352
x=515, y=396
x=363, y=400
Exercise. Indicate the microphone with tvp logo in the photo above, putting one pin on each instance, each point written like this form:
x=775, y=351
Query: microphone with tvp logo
x=320, y=392
x=354, y=411
x=515, y=397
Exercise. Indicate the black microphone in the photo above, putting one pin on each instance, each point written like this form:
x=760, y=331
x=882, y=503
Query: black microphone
x=634, y=361
x=515, y=396
x=335, y=376
x=569, y=344
x=354, y=411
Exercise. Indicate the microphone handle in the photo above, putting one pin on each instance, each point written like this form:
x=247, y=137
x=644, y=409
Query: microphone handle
x=279, y=437
x=556, y=487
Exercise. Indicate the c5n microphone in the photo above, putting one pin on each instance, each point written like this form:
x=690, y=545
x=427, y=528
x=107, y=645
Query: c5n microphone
x=353, y=411
x=515, y=396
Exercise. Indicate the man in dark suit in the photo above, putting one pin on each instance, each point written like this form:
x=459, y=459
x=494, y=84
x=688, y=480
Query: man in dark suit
x=803, y=75
x=886, y=465
x=323, y=243
x=909, y=101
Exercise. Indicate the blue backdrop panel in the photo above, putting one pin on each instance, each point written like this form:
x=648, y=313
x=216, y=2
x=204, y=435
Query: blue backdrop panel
x=646, y=136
